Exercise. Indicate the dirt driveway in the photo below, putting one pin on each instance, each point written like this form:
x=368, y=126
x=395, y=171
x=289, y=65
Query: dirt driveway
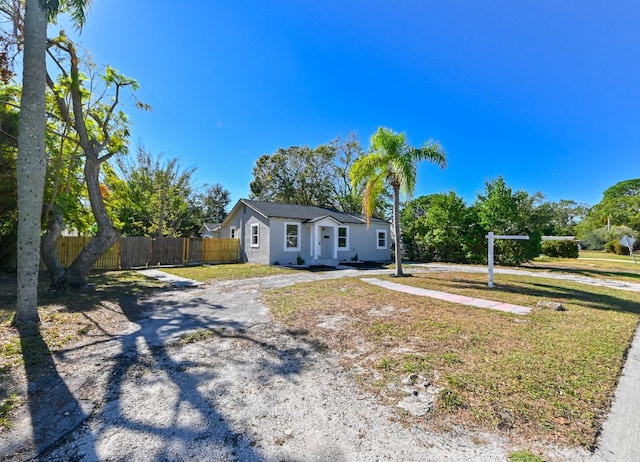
x=247, y=390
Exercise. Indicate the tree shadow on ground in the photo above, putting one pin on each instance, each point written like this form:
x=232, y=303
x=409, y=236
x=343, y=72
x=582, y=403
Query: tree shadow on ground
x=542, y=290
x=147, y=363
x=584, y=271
x=53, y=408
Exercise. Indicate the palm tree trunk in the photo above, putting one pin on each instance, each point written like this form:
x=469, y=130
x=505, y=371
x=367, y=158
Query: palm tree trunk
x=396, y=228
x=32, y=162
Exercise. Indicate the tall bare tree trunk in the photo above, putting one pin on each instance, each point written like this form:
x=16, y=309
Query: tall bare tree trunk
x=32, y=162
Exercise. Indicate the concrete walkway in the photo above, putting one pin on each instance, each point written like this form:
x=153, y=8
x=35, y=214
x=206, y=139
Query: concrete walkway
x=447, y=297
x=620, y=438
x=172, y=279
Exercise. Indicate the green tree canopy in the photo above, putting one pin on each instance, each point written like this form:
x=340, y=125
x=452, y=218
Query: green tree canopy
x=562, y=217
x=295, y=175
x=503, y=211
x=438, y=227
x=309, y=176
x=209, y=205
x=8, y=186
x=150, y=197
x=620, y=205
x=213, y=203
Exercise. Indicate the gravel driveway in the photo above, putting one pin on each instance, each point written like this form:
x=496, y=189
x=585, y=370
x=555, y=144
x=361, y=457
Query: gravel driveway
x=251, y=391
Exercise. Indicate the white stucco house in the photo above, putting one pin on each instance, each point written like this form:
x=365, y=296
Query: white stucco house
x=273, y=233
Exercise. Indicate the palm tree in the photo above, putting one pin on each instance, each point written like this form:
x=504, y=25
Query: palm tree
x=392, y=162
x=32, y=157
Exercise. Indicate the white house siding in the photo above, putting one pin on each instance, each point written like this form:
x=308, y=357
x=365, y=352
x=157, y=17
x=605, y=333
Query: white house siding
x=260, y=254
x=278, y=252
x=362, y=241
x=241, y=219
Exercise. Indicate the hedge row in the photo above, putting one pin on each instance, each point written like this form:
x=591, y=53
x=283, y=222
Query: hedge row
x=560, y=249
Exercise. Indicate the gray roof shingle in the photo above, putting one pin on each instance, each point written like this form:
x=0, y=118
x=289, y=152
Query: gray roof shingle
x=303, y=212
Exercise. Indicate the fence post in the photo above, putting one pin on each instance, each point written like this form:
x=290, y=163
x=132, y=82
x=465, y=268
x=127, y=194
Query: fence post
x=185, y=251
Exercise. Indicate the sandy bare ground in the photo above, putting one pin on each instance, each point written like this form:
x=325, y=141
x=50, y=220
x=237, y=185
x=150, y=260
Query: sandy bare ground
x=250, y=390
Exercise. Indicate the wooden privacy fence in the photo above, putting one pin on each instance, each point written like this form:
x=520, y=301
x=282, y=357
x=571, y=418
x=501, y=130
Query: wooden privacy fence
x=137, y=252
x=68, y=248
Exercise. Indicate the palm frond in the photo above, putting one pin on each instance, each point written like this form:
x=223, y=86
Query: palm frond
x=364, y=168
x=391, y=161
x=76, y=9
x=370, y=194
x=431, y=151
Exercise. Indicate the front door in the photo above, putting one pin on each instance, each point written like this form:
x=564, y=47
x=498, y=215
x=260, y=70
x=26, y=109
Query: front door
x=326, y=242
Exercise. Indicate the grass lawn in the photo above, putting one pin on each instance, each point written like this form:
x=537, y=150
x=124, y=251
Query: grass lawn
x=545, y=376
x=230, y=271
x=621, y=268
x=602, y=255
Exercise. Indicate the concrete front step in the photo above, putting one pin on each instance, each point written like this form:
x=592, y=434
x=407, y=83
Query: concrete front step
x=325, y=262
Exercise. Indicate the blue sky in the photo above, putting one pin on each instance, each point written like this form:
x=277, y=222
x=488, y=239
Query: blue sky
x=544, y=93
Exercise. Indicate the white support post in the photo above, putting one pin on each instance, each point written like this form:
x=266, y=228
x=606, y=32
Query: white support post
x=491, y=237
x=490, y=259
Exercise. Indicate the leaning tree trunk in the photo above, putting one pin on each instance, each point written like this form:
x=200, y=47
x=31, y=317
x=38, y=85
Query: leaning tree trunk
x=76, y=275
x=48, y=247
x=32, y=162
x=76, y=115
x=396, y=229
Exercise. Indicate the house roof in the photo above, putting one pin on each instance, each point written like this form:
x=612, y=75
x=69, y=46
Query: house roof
x=210, y=227
x=303, y=212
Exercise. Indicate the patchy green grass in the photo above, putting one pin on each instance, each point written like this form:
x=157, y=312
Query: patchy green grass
x=619, y=268
x=198, y=336
x=524, y=456
x=229, y=271
x=545, y=376
x=7, y=405
x=607, y=256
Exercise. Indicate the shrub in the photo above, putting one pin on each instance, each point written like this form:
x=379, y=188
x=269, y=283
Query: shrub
x=593, y=239
x=560, y=249
x=597, y=239
x=509, y=252
x=615, y=247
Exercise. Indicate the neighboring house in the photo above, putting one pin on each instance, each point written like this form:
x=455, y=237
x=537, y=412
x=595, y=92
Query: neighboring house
x=272, y=233
x=210, y=230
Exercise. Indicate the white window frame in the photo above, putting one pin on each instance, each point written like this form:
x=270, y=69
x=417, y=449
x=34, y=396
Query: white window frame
x=286, y=241
x=346, y=238
x=386, y=239
x=255, y=232
x=232, y=232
